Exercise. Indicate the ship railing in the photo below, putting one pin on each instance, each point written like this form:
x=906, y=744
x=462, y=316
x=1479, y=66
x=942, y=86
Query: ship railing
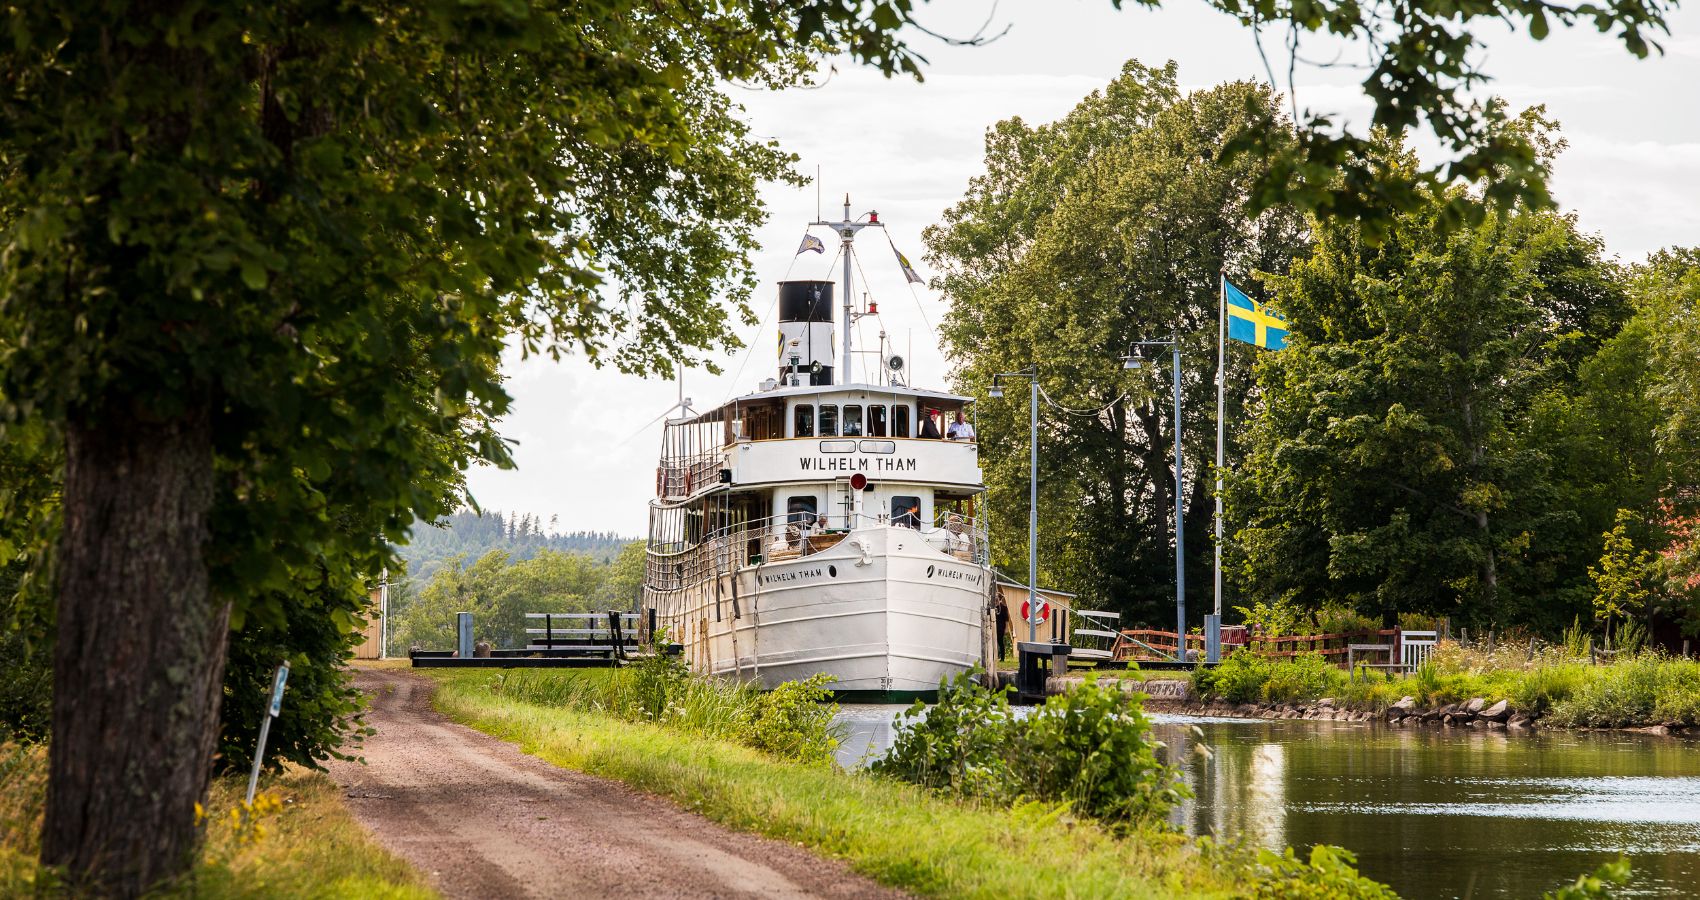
x=795, y=535
x=679, y=478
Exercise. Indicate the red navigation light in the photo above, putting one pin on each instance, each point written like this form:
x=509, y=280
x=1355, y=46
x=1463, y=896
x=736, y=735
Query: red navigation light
x=873, y=308
x=874, y=217
x=859, y=482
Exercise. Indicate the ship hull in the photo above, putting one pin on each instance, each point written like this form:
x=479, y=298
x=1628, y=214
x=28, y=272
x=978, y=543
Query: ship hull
x=883, y=612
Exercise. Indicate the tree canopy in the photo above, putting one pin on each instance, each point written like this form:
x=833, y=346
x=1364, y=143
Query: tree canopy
x=1084, y=236
x=258, y=263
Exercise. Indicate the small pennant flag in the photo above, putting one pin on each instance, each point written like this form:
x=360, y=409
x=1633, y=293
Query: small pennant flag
x=810, y=242
x=1252, y=322
x=908, y=270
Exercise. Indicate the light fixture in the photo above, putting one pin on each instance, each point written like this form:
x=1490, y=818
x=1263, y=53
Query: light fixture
x=1132, y=362
x=997, y=389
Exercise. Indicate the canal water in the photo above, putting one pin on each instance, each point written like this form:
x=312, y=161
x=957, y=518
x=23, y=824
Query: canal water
x=1432, y=812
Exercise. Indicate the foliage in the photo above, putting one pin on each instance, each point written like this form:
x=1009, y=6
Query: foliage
x=472, y=534
x=1082, y=237
x=1641, y=690
x=1434, y=439
x=301, y=235
x=1237, y=679
x=792, y=722
x=1271, y=619
x=321, y=707
x=499, y=591
x=958, y=746
x=1305, y=676
x=1596, y=885
x=1327, y=874
x=1623, y=580
x=1093, y=748
x=1249, y=677
x=1090, y=748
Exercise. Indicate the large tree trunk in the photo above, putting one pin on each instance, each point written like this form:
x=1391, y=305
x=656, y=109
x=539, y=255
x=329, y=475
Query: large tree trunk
x=139, y=659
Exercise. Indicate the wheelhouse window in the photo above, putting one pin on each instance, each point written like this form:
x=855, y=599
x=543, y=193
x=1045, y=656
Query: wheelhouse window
x=828, y=420
x=906, y=511
x=800, y=511
x=803, y=420
x=900, y=421
x=876, y=420
x=852, y=421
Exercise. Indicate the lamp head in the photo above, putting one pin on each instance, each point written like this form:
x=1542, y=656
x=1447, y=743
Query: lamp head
x=1132, y=362
x=997, y=389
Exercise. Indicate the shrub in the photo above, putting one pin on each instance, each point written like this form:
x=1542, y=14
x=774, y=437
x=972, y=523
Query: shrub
x=1247, y=677
x=960, y=746
x=794, y=721
x=1328, y=874
x=1635, y=691
x=1544, y=686
x=1237, y=679
x=1305, y=677
x=1091, y=748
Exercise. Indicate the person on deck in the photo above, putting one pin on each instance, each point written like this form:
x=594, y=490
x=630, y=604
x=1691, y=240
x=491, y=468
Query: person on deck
x=960, y=430
x=929, y=428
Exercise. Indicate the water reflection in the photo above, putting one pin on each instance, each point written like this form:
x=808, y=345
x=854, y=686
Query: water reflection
x=1433, y=812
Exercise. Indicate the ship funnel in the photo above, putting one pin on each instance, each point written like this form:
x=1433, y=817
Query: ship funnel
x=805, y=332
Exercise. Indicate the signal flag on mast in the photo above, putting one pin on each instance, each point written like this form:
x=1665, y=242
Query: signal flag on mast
x=810, y=242
x=908, y=270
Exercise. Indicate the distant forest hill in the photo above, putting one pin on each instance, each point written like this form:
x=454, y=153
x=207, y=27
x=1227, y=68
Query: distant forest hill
x=522, y=536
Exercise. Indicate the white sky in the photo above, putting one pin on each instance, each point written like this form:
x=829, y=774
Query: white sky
x=1632, y=174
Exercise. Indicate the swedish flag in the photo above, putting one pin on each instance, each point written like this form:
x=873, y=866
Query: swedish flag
x=1252, y=322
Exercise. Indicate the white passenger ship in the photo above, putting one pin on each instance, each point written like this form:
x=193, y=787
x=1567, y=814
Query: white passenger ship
x=810, y=528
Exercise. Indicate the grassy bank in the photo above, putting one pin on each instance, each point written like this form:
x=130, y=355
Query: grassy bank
x=896, y=833
x=306, y=845
x=1551, y=685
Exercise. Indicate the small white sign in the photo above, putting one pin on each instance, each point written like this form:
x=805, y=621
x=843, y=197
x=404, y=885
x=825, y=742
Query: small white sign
x=277, y=689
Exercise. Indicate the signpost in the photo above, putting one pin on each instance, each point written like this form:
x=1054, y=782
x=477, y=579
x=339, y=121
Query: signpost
x=272, y=710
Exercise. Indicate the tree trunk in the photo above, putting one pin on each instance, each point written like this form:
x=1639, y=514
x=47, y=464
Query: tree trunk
x=139, y=659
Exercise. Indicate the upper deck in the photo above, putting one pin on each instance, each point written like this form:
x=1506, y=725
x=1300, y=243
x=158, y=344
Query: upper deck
x=817, y=433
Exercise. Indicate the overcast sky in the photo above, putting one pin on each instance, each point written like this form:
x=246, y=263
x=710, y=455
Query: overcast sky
x=1632, y=175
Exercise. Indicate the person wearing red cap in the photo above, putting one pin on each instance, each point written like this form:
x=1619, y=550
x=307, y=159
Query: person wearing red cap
x=929, y=428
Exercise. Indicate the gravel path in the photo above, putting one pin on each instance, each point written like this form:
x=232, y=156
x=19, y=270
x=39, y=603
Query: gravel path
x=485, y=820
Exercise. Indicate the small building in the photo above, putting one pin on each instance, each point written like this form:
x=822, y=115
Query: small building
x=375, y=629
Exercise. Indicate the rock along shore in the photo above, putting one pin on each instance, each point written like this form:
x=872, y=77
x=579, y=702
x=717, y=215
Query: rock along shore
x=1176, y=696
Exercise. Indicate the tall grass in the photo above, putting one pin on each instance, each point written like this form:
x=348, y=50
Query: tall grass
x=1554, y=684
x=298, y=841
x=793, y=721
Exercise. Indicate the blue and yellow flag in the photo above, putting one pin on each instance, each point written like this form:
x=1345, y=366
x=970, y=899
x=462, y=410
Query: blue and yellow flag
x=1252, y=322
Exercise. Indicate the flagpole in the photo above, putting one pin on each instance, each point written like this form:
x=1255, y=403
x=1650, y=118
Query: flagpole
x=1215, y=643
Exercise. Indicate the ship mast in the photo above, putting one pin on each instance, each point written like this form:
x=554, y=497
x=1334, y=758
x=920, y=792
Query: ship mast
x=846, y=231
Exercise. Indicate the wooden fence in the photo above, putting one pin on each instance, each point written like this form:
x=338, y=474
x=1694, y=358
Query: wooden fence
x=1386, y=647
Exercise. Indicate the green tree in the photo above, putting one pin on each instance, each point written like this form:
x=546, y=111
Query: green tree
x=1624, y=577
x=1393, y=466
x=499, y=591
x=1082, y=237
x=260, y=263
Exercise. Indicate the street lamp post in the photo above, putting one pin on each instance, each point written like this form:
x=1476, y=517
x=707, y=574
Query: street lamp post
x=1133, y=361
x=1032, y=376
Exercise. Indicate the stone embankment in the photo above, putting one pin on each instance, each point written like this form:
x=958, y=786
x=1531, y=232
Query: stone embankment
x=1176, y=696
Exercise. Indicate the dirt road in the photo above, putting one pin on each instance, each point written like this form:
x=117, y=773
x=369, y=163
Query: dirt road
x=485, y=820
